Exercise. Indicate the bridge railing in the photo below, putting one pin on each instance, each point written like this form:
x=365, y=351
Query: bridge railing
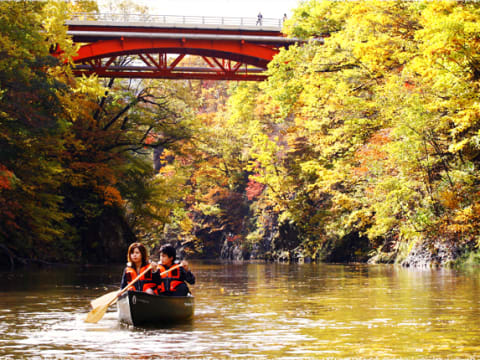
x=180, y=20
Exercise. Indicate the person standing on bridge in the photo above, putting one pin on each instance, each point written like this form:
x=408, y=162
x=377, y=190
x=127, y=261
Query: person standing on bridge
x=259, y=19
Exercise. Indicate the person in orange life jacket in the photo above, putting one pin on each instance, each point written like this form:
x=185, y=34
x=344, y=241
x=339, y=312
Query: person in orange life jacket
x=137, y=258
x=172, y=283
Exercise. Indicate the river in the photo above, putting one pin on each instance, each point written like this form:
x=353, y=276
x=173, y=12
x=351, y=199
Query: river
x=252, y=311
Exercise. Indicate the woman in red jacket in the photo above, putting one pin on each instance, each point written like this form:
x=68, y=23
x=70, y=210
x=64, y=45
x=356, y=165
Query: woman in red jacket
x=137, y=258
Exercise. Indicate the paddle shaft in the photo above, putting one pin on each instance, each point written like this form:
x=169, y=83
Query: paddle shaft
x=143, y=273
x=99, y=310
x=172, y=268
x=134, y=280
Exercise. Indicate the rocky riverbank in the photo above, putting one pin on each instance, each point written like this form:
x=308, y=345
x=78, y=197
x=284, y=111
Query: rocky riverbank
x=356, y=249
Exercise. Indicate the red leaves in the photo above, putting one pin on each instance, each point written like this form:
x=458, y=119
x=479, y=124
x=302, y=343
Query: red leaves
x=371, y=152
x=409, y=85
x=5, y=178
x=150, y=139
x=254, y=189
x=233, y=238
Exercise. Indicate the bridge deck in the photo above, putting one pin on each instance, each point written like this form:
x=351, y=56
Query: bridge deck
x=175, y=23
x=177, y=28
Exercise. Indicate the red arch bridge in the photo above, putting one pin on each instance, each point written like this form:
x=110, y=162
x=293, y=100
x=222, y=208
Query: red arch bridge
x=158, y=46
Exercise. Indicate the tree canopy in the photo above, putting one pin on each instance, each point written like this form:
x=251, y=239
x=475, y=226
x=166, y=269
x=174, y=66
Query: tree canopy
x=365, y=135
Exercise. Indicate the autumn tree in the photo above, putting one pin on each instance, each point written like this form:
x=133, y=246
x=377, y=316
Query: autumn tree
x=73, y=149
x=371, y=130
x=32, y=121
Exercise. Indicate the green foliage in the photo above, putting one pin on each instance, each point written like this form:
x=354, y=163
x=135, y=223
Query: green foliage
x=72, y=148
x=375, y=129
x=32, y=121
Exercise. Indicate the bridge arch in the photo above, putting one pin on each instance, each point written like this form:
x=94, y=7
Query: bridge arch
x=225, y=58
x=157, y=50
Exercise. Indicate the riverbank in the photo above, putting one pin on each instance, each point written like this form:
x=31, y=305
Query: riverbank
x=350, y=250
x=423, y=255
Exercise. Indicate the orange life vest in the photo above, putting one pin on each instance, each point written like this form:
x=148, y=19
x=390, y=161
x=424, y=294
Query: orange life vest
x=144, y=283
x=170, y=280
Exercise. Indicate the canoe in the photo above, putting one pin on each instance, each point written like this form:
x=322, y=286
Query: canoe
x=138, y=308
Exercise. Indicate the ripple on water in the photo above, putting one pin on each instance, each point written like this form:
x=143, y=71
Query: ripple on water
x=265, y=311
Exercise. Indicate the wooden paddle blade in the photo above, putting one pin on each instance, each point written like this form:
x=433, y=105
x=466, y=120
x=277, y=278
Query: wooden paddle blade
x=101, y=304
x=104, y=299
x=96, y=314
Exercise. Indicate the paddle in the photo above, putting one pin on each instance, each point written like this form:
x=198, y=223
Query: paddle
x=101, y=304
x=105, y=299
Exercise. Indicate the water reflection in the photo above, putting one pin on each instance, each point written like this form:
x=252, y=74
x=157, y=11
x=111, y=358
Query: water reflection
x=252, y=310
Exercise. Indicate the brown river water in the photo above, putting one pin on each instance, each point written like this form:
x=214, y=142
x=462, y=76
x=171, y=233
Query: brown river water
x=252, y=311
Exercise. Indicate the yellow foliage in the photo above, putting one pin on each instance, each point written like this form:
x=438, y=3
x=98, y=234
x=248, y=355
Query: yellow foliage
x=54, y=14
x=449, y=199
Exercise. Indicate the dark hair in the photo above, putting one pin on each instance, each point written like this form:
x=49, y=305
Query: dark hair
x=168, y=250
x=143, y=251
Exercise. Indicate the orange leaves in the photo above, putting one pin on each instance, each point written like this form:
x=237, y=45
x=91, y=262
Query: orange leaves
x=361, y=170
x=409, y=85
x=215, y=194
x=449, y=199
x=462, y=213
x=254, y=189
x=150, y=139
x=110, y=195
x=371, y=152
x=5, y=178
x=98, y=177
x=463, y=221
x=92, y=173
